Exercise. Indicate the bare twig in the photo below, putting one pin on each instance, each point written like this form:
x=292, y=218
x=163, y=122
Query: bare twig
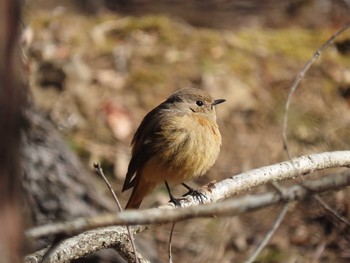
x=99, y=171
x=300, y=76
x=275, y=226
x=330, y=209
x=319, y=250
x=169, y=244
x=295, y=84
x=269, y=235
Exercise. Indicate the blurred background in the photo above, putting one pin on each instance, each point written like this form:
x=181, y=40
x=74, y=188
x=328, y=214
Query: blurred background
x=95, y=68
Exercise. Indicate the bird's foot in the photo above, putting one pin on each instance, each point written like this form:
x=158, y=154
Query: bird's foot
x=195, y=193
x=175, y=201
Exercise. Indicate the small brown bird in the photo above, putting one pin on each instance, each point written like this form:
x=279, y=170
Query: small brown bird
x=176, y=142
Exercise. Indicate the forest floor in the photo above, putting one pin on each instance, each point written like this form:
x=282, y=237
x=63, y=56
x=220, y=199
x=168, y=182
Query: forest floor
x=96, y=76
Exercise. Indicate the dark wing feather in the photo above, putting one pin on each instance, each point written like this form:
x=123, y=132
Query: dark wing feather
x=143, y=144
x=136, y=162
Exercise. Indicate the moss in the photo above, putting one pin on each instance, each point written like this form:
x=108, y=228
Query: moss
x=147, y=83
x=293, y=43
x=147, y=77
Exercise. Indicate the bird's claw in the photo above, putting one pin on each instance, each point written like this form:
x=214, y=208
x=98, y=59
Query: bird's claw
x=175, y=201
x=196, y=194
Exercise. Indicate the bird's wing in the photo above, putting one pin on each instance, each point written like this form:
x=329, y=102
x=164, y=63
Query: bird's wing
x=143, y=146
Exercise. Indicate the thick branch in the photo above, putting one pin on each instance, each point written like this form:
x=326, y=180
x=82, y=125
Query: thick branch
x=87, y=243
x=215, y=192
x=91, y=241
x=278, y=172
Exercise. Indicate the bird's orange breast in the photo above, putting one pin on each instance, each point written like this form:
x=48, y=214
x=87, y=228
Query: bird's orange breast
x=192, y=146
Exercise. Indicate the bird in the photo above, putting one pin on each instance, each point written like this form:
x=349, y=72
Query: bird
x=176, y=142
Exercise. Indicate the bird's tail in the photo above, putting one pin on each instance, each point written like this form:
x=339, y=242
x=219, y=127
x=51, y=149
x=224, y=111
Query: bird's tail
x=138, y=193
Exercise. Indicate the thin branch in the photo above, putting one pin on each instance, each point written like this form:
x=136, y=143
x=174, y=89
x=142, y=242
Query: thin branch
x=99, y=171
x=300, y=76
x=330, y=209
x=269, y=235
x=294, y=86
x=169, y=244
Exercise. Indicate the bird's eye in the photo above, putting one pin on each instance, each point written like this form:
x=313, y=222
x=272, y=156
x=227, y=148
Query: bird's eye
x=199, y=103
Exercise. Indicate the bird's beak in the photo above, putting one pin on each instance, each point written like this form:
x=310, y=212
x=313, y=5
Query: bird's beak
x=218, y=101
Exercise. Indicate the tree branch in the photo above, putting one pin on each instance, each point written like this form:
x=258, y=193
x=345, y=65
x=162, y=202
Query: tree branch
x=269, y=235
x=99, y=172
x=91, y=241
x=87, y=243
x=214, y=192
x=300, y=76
